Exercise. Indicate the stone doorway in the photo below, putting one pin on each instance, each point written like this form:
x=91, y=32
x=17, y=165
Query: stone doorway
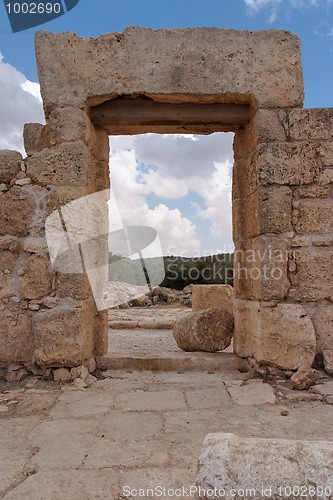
x=141, y=320
x=248, y=83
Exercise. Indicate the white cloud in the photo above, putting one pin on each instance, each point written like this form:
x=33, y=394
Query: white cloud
x=171, y=167
x=217, y=195
x=274, y=5
x=20, y=103
x=174, y=230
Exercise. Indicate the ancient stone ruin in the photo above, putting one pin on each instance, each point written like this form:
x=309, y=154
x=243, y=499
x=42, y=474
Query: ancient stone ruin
x=173, y=81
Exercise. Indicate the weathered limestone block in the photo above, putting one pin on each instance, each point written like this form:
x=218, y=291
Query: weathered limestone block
x=102, y=155
x=326, y=177
x=69, y=164
x=247, y=326
x=281, y=335
x=61, y=195
x=212, y=296
x=308, y=124
x=209, y=330
x=70, y=125
x=36, y=138
x=263, y=467
x=6, y=285
x=16, y=340
x=304, y=378
x=64, y=335
x=261, y=268
x=35, y=278
x=275, y=209
x=73, y=285
x=314, y=273
x=17, y=208
x=323, y=323
x=7, y=261
x=287, y=338
x=270, y=208
x=315, y=216
x=313, y=191
x=287, y=163
x=265, y=65
x=325, y=152
x=243, y=226
x=267, y=125
x=10, y=165
x=244, y=179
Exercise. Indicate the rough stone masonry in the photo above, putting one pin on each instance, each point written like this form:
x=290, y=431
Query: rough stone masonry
x=282, y=188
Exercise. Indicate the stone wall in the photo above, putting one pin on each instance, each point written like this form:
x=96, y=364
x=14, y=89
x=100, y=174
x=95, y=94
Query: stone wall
x=283, y=177
x=282, y=189
x=48, y=318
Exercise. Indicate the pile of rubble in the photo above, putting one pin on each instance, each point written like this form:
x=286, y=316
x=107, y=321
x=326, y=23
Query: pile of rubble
x=124, y=295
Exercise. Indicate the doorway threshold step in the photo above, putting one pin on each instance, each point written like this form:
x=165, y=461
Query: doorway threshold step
x=177, y=362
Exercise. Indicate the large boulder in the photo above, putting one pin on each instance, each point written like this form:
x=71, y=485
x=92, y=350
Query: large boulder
x=238, y=467
x=210, y=330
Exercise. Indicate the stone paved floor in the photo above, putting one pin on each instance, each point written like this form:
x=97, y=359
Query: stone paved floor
x=137, y=429
x=141, y=341
x=157, y=317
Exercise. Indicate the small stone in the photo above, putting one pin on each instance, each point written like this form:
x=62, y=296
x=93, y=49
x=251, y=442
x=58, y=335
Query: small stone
x=3, y=408
x=31, y=383
x=17, y=375
x=34, y=307
x=61, y=375
x=224, y=464
x=328, y=361
x=91, y=365
x=23, y=182
x=80, y=384
x=50, y=302
x=90, y=380
x=3, y=187
x=14, y=367
x=325, y=390
x=75, y=373
x=284, y=413
x=304, y=378
x=83, y=372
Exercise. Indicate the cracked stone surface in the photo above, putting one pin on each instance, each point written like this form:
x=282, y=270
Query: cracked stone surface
x=138, y=429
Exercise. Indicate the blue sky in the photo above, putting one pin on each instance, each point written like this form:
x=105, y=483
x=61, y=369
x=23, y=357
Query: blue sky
x=197, y=214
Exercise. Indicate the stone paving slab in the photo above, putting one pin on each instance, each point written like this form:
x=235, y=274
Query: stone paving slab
x=142, y=341
x=177, y=362
x=138, y=429
x=149, y=349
